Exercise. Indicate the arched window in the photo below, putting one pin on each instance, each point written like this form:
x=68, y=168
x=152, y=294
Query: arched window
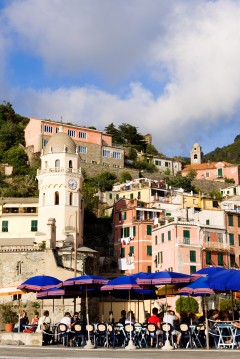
x=57, y=163
x=56, y=199
x=70, y=199
x=44, y=199
x=195, y=157
x=70, y=165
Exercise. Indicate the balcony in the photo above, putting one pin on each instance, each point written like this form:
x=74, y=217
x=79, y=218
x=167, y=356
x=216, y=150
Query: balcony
x=58, y=170
x=216, y=246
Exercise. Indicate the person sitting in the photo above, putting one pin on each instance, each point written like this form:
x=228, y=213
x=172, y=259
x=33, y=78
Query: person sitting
x=130, y=317
x=35, y=319
x=154, y=319
x=171, y=318
x=44, y=323
x=122, y=320
x=23, y=320
x=68, y=322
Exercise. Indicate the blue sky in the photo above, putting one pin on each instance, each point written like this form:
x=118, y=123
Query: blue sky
x=170, y=68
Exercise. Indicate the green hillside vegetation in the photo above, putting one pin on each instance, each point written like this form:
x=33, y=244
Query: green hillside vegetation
x=230, y=153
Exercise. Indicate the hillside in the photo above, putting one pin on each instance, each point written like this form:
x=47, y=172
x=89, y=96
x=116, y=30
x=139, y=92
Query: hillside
x=230, y=153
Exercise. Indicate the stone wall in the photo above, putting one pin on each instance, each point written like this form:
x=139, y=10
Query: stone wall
x=96, y=169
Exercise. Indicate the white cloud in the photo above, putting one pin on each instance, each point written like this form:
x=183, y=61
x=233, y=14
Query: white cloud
x=190, y=47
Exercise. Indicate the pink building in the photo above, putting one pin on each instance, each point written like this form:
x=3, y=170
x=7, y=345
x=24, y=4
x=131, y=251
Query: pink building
x=214, y=171
x=93, y=146
x=133, y=222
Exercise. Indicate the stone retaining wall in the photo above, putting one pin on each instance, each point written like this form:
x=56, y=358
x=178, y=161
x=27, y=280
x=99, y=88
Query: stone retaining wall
x=33, y=339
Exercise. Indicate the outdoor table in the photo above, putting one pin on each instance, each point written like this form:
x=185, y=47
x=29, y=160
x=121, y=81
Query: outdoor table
x=226, y=330
x=195, y=340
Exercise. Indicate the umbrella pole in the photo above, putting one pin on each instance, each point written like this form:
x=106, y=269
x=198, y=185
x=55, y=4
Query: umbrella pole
x=167, y=345
x=206, y=319
x=130, y=345
x=89, y=344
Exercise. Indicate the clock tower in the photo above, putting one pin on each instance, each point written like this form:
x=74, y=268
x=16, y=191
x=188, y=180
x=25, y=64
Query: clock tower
x=60, y=196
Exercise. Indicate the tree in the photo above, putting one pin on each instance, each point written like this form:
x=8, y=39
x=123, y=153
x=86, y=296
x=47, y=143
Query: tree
x=105, y=181
x=115, y=133
x=187, y=304
x=17, y=157
x=125, y=176
x=151, y=150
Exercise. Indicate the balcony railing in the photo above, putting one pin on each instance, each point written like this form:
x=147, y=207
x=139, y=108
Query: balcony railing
x=59, y=170
x=216, y=245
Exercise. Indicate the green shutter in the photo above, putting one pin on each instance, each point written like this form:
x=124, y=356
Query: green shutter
x=131, y=251
x=134, y=231
x=122, y=252
x=149, y=269
x=192, y=256
x=207, y=221
x=131, y=195
x=220, y=172
x=124, y=215
x=232, y=260
x=169, y=235
x=139, y=195
x=220, y=259
x=162, y=236
x=122, y=233
x=110, y=195
x=193, y=269
x=239, y=221
x=34, y=226
x=186, y=236
x=117, y=196
x=149, y=229
x=126, y=232
x=4, y=226
x=231, y=239
x=208, y=258
x=230, y=220
x=149, y=250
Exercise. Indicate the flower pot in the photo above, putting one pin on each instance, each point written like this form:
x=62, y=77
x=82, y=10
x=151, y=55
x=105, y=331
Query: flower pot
x=9, y=327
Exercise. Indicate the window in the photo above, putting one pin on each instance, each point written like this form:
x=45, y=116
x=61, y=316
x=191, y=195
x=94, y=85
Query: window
x=72, y=133
x=48, y=129
x=149, y=229
x=193, y=269
x=239, y=240
x=131, y=250
x=162, y=237
x=186, y=236
x=117, y=196
x=57, y=129
x=208, y=258
x=122, y=254
x=82, y=135
x=34, y=226
x=70, y=198
x=57, y=163
x=149, y=250
x=45, y=142
x=220, y=238
x=167, y=164
x=239, y=221
x=149, y=269
x=157, y=163
x=106, y=153
x=125, y=232
x=220, y=172
x=82, y=149
x=231, y=239
x=4, y=226
x=116, y=155
x=156, y=240
x=160, y=257
x=207, y=221
x=131, y=195
x=70, y=165
x=220, y=259
x=215, y=204
x=56, y=198
x=207, y=174
x=134, y=231
x=110, y=195
x=124, y=215
x=232, y=260
x=192, y=256
x=139, y=195
x=169, y=235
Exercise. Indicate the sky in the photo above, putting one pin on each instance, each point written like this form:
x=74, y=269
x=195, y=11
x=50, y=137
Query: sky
x=168, y=67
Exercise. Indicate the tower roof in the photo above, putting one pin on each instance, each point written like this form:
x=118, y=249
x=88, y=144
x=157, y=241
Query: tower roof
x=60, y=142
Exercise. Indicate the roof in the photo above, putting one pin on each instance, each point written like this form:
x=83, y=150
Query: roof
x=60, y=142
x=205, y=166
x=9, y=242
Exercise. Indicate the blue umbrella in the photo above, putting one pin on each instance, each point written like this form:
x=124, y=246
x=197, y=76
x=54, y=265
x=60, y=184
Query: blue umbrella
x=209, y=271
x=226, y=280
x=164, y=277
x=39, y=282
x=200, y=286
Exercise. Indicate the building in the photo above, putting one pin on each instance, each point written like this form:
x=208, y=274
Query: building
x=196, y=154
x=133, y=221
x=92, y=145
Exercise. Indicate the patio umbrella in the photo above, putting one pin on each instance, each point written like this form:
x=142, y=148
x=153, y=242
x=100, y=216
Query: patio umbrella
x=39, y=282
x=122, y=284
x=226, y=280
x=164, y=278
x=86, y=281
x=200, y=287
x=208, y=271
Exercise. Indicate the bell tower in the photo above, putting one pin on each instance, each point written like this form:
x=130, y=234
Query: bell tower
x=60, y=196
x=196, y=154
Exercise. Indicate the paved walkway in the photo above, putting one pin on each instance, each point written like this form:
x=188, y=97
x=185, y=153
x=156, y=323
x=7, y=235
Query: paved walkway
x=11, y=352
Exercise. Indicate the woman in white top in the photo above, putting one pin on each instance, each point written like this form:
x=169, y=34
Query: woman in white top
x=44, y=327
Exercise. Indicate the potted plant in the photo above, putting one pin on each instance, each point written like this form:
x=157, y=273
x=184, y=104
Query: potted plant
x=9, y=317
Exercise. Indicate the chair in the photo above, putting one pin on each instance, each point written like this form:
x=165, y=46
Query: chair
x=63, y=333
x=185, y=335
x=140, y=335
x=90, y=333
x=153, y=333
x=129, y=330
x=101, y=334
x=79, y=334
x=167, y=329
x=118, y=336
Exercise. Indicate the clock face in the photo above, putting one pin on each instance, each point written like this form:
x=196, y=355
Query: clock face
x=72, y=184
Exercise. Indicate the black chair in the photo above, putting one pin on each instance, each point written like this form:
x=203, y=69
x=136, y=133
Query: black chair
x=90, y=333
x=129, y=330
x=63, y=333
x=101, y=334
x=140, y=335
x=79, y=334
x=153, y=333
x=167, y=329
x=118, y=336
x=185, y=335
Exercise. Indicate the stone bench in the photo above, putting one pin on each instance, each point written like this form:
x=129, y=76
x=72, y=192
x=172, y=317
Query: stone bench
x=33, y=339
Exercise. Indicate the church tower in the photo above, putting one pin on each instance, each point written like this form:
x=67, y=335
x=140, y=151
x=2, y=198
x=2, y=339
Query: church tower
x=60, y=197
x=196, y=154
